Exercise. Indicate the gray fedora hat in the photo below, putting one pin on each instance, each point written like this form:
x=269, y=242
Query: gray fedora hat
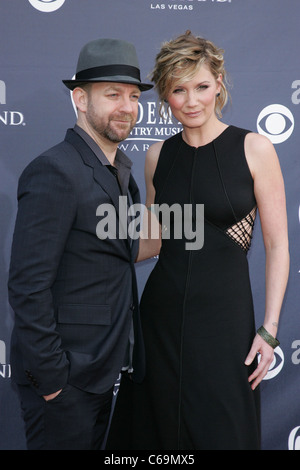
x=108, y=60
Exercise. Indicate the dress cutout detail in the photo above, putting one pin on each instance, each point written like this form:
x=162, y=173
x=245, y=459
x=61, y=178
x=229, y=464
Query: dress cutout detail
x=242, y=231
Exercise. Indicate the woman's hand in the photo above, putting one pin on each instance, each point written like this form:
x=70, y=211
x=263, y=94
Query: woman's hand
x=267, y=354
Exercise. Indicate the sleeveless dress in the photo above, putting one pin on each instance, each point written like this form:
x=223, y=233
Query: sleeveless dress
x=197, y=310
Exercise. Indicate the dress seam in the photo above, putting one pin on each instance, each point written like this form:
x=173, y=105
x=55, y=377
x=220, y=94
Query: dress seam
x=183, y=315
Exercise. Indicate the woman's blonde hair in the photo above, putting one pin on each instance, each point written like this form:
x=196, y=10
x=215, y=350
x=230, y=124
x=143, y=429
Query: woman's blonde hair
x=180, y=59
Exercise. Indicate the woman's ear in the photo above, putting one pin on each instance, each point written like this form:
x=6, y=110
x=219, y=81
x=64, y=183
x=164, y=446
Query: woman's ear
x=219, y=83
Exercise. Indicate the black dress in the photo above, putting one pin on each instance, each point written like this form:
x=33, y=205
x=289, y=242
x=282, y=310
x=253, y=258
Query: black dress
x=197, y=309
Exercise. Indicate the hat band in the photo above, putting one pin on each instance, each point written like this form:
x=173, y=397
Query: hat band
x=109, y=71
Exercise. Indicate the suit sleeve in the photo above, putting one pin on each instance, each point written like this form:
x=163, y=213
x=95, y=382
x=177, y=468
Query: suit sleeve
x=46, y=210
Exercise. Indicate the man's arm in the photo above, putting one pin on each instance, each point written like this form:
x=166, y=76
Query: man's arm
x=46, y=209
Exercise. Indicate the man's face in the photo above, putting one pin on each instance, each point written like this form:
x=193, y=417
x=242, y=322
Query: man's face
x=112, y=109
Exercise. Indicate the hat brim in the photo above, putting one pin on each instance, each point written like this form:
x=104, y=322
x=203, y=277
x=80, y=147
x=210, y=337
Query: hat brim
x=71, y=84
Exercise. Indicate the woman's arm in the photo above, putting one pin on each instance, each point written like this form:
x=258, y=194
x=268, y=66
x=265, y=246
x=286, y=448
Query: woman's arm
x=270, y=196
x=150, y=241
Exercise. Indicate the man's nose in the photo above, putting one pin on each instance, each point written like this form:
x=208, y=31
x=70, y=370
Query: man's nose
x=126, y=105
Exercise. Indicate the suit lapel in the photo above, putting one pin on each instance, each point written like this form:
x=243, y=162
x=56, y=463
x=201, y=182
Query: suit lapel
x=101, y=175
x=135, y=195
x=106, y=180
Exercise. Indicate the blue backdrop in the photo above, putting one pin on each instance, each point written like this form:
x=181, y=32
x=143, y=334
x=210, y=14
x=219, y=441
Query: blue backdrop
x=40, y=41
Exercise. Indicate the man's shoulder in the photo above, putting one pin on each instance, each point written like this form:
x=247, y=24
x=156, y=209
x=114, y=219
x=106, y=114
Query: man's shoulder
x=60, y=156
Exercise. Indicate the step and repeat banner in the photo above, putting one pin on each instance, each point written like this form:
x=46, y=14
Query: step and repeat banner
x=40, y=41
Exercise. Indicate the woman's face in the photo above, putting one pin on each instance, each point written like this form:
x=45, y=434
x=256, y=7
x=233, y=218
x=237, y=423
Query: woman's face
x=193, y=102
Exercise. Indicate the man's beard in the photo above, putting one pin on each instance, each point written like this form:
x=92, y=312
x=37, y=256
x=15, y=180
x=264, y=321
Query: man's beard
x=116, y=136
x=105, y=129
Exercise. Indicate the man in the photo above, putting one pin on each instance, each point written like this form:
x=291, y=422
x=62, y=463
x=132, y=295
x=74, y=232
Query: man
x=74, y=295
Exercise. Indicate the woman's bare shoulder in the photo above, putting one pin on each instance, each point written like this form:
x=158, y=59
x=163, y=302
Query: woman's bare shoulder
x=154, y=150
x=152, y=156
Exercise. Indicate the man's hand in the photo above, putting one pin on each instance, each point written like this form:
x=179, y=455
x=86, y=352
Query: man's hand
x=51, y=396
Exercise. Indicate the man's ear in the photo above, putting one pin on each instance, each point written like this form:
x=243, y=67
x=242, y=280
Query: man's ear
x=80, y=98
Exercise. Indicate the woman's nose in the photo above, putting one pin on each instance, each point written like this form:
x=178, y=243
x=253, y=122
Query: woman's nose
x=191, y=99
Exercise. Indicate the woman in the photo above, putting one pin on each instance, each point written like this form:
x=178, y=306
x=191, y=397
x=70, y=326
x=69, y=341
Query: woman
x=200, y=390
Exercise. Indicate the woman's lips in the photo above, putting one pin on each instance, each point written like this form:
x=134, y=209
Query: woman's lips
x=193, y=114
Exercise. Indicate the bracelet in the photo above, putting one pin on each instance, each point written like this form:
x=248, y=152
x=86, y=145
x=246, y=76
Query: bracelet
x=151, y=208
x=268, y=338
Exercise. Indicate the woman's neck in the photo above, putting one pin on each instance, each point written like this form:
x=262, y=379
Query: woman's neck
x=199, y=136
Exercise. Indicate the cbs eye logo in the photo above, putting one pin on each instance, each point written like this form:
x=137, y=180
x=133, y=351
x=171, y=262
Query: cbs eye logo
x=47, y=6
x=276, y=365
x=276, y=122
x=294, y=439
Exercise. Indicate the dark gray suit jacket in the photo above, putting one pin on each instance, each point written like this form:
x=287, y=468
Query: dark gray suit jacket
x=74, y=295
